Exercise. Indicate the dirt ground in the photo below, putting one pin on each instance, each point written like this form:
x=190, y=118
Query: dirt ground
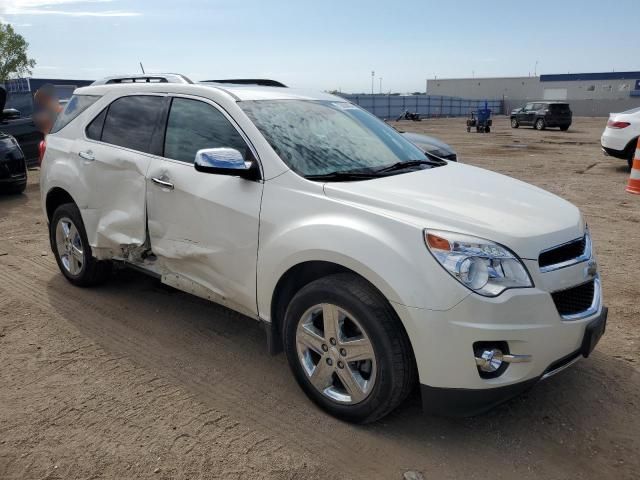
x=134, y=380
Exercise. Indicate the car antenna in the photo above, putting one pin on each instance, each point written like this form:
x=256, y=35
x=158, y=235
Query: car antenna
x=142, y=68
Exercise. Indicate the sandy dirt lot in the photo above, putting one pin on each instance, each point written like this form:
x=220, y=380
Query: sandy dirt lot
x=135, y=380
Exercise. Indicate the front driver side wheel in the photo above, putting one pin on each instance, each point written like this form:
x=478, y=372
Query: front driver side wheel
x=347, y=348
x=514, y=123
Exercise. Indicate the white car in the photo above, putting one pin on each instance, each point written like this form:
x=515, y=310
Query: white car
x=620, y=136
x=374, y=266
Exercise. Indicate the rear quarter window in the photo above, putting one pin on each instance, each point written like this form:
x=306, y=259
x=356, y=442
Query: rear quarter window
x=77, y=105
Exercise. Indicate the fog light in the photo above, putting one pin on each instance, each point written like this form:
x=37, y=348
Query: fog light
x=490, y=360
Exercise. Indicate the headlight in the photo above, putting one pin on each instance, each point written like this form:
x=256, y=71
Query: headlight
x=480, y=265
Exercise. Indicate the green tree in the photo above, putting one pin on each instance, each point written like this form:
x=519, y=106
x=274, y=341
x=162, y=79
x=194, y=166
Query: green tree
x=14, y=61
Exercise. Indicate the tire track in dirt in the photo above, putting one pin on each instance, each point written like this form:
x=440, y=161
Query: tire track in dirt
x=273, y=413
x=173, y=334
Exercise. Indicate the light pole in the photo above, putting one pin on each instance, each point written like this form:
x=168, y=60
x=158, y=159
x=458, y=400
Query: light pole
x=535, y=69
x=373, y=74
x=381, y=85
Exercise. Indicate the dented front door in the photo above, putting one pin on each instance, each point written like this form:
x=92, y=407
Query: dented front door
x=203, y=227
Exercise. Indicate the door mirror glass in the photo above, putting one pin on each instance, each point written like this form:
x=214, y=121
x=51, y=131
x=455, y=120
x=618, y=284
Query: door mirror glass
x=223, y=161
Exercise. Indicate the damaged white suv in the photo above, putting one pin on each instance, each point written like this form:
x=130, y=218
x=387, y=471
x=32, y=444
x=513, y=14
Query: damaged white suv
x=373, y=266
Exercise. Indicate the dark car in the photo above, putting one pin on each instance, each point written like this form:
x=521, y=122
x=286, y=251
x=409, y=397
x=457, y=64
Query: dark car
x=13, y=166
x=17, y=119
x=22, y=129
x=431, y=145
x=541, y=115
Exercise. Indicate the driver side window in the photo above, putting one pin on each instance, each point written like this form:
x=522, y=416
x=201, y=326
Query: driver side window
x=528, y=107
x=194, y=125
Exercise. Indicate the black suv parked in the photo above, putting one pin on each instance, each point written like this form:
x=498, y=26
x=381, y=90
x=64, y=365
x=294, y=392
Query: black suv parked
x=541, y=115
x=13, y=167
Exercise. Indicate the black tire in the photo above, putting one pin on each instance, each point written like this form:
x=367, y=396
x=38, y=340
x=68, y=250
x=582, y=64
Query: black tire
x=631, y=151
x=564, y=128
x=92, y=271
x=395, y=365
x=514, y=123
x=539, y=125
x=487, y=129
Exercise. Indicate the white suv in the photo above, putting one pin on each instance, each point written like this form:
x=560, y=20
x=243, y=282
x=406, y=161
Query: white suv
x=373, y=265
x=620, y=136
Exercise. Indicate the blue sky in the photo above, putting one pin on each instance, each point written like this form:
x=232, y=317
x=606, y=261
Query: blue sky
x=327, y=44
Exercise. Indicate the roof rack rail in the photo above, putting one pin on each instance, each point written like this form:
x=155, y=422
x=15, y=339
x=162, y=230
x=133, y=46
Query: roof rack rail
x=144, y=78
x=263, y=82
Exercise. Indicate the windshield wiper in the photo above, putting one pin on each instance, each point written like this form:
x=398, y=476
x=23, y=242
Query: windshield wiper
x=344, y=176
x=432, y=161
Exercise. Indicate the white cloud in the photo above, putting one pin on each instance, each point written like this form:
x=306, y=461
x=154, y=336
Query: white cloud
x=52, y=7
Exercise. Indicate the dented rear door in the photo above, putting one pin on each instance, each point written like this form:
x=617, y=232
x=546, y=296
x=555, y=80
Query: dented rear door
x=115, y=159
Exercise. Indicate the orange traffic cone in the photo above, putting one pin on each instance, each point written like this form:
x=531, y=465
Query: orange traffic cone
x=634, y=179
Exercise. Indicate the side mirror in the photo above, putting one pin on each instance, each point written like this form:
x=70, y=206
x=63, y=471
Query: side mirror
x=10, y=114
x=225, y=161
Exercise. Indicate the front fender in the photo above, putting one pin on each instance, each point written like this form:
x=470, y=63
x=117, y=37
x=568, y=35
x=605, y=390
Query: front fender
x=386, y=251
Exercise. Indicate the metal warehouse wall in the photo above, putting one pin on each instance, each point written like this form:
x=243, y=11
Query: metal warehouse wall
x=390, y=107
x=589, y=94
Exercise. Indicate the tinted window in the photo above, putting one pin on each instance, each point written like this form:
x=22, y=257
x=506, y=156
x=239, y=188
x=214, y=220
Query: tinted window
x=559, y=108
x=131, y=121
x=77, y=105
x=528, y=106
x=195, y=125
x=94, y=130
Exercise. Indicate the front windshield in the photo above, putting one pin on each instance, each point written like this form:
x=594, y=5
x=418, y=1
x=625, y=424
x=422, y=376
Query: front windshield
x=323, y=137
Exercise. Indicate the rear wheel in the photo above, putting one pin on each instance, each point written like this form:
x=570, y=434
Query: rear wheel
x=71, y=248
x=347, y=348
x=514, y=123
x=539, y=125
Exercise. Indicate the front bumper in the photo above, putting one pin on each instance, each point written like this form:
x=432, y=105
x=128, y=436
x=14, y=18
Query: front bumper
x=468, y=402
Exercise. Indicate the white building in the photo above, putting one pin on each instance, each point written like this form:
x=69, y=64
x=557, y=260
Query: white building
x=590, y=94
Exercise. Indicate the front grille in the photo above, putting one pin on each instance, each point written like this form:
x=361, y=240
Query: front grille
x=563, y=253
x=574, y=300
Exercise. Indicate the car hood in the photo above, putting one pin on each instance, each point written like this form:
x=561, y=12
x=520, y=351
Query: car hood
x=469, y=200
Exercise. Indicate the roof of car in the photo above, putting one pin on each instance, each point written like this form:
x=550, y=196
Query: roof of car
x=238, y=92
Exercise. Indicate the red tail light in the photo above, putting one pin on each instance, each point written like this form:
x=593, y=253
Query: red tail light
x=42, y=147
x=614, y=124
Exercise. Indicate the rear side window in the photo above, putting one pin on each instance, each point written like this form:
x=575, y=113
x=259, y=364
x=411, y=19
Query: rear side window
x=559, y=108
x=77, y=105
x=194, y=125
x=131, y=121
x=94, y=130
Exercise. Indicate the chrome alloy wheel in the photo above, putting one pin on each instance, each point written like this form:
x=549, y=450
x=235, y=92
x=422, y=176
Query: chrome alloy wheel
x=69, y=245
x=336, y=354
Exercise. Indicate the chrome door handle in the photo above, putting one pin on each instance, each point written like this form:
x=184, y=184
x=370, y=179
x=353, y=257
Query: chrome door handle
x=162, y=183
x=88, y=156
